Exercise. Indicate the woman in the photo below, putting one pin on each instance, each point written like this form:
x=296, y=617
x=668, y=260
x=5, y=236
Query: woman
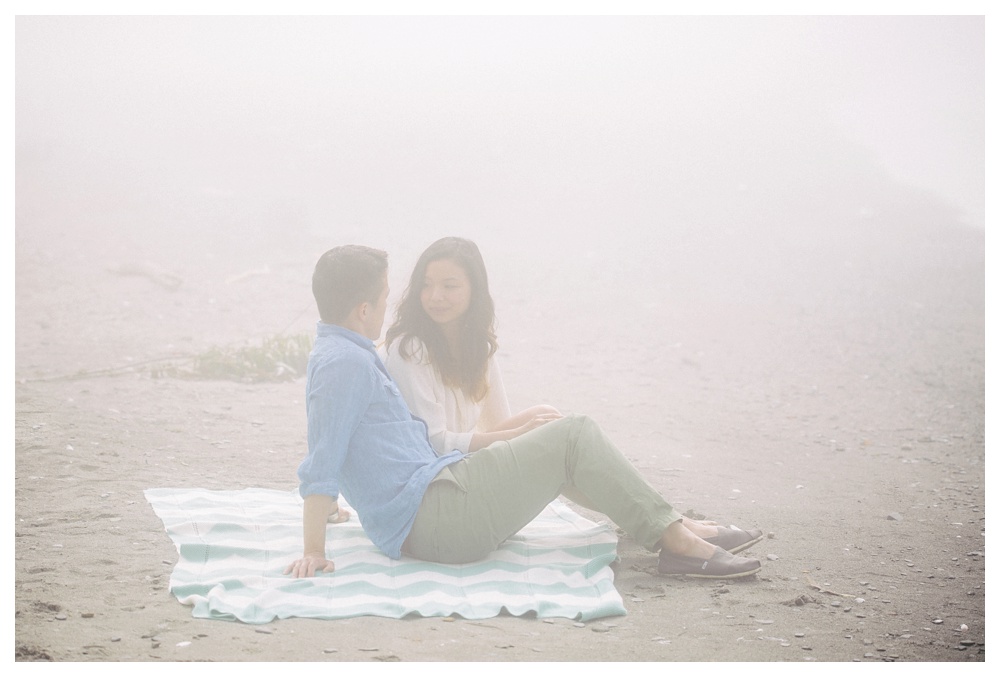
x=440, y=351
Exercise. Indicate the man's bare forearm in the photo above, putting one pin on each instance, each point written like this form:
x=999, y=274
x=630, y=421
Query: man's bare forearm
x=315, y=511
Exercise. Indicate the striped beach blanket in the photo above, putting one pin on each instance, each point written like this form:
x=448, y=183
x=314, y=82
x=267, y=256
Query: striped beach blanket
x=233, y=547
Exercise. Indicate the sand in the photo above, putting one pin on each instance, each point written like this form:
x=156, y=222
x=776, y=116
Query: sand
x=822, y=381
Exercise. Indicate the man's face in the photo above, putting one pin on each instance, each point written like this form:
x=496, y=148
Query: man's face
x=376, y=314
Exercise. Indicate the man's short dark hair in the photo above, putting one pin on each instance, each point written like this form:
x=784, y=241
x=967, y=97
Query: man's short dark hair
x=347, y=276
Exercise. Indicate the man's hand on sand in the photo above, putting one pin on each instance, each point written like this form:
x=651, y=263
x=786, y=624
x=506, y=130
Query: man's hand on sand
x=309, y=565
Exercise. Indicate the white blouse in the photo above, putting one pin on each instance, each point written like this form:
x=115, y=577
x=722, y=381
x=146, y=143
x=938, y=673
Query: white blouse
x=451, y=417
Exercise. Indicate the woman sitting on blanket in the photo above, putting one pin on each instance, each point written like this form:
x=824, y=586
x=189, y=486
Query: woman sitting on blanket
x=440, y=351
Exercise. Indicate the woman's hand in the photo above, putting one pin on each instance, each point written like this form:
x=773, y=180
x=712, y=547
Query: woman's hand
x=515, y=426
x=537, y=420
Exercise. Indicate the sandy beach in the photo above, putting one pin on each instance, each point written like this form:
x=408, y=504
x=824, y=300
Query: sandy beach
x=751, y=248
x=830, y=392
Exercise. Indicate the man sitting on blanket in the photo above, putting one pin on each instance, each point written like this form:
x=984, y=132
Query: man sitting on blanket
x=456, y=508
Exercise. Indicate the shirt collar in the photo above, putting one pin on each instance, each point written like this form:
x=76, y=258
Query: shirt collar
x=324, y=329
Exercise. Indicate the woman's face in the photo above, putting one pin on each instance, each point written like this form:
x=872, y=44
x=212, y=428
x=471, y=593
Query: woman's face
x=447, y=292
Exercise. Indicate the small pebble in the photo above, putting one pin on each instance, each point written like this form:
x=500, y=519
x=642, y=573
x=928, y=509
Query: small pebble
x=548, y=620
x=835, y=604
x=963, y=627
x=968, y=642
x=763, y=621
x=601, y=628
x=87, y=614
x=579, y=625
x=116, y=639
x=183, y=644
x=772, y=558
x=937, y=621
x=330, y=650
x=264, y=631
x=800, y=634
x=60, y=617
x=894, y=516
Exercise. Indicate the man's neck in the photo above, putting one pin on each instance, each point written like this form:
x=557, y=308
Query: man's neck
x=352, y=324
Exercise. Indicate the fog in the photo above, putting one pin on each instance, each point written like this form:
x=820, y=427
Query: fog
x=496, y=127
x=751, y=248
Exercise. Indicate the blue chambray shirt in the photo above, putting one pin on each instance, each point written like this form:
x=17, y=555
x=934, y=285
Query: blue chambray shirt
x=363, y=441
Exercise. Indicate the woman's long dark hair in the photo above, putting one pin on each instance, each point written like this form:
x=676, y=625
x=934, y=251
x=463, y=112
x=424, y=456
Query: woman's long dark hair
x=466, y=366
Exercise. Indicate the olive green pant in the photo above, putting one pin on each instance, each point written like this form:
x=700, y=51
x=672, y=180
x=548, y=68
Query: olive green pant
x=474, y=505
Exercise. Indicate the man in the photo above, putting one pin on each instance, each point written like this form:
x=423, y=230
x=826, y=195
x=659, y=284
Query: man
x=365, y=444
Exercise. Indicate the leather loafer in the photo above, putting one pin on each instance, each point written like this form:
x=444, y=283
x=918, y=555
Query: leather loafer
x=722, y=564
x=735, y=539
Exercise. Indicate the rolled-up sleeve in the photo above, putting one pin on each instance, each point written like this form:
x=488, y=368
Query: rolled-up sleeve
x=337, y=397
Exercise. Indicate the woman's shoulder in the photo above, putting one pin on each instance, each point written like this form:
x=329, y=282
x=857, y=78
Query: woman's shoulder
x=407, y=349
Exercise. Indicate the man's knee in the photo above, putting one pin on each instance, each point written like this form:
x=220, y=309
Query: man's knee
x=581, y=423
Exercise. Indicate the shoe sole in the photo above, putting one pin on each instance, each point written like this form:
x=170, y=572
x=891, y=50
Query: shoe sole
x=741, y=574
x=743, y=546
